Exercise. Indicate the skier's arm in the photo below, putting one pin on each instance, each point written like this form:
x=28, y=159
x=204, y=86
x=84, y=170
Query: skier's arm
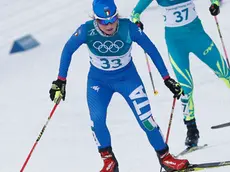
x=139, y=8
x=217, y=2
x=138, y=36
x=75, y=41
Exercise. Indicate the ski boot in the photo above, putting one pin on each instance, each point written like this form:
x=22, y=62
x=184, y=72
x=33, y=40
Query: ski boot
x=192, y=134
x=169, y=163
x=110, y=162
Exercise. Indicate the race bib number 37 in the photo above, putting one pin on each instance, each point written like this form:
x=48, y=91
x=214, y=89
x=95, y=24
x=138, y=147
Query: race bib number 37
x=180, y=14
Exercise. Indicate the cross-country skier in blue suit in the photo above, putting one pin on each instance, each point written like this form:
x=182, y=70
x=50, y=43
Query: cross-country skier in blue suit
x=109, y=40
x=184, y=34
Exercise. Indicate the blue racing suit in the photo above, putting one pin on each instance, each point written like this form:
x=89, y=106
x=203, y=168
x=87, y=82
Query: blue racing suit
x=112, y=70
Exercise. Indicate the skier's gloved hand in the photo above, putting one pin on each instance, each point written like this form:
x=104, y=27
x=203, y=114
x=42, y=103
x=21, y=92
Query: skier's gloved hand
x=57, y=91
x=215, y=8
x=174, y=87
x=135, y=18
x=140, y=25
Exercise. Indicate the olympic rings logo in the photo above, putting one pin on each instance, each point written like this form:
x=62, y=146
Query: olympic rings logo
x=108, y=46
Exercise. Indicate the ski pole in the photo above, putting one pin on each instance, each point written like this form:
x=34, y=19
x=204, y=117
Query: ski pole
x=221, y=125
x=170, y=119
x=170, y=123
x=222, y=41
x=150, y=74
x=40, y=135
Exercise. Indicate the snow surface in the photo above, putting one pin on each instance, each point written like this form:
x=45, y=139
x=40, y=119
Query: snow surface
x=67, y=143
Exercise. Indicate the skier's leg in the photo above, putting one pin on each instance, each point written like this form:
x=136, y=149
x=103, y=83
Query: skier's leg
x=134, y=93
x=179, y=58
x=98, y=98
x=206, y=50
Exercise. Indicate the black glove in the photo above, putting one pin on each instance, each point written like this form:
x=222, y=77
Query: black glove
x=57, y=90
x=140, y=25
x=135, y=18
x=174, y=87
x=214, y=9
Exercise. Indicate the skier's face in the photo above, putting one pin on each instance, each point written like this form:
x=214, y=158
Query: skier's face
x=108, y=29
x=109, y=25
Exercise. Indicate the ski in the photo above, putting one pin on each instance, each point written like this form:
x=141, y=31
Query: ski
x=203, y=166
x=191, y=149
x=221, y=125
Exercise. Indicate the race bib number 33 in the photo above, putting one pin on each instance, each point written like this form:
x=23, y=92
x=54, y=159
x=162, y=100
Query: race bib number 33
x=110, y=63
x=180, y=14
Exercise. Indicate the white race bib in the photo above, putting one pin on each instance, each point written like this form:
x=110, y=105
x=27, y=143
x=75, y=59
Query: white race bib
x=179, y=14
x=110, y=63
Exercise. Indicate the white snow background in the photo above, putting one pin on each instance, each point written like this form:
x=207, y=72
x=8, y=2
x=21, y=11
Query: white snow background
x=67, y=143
